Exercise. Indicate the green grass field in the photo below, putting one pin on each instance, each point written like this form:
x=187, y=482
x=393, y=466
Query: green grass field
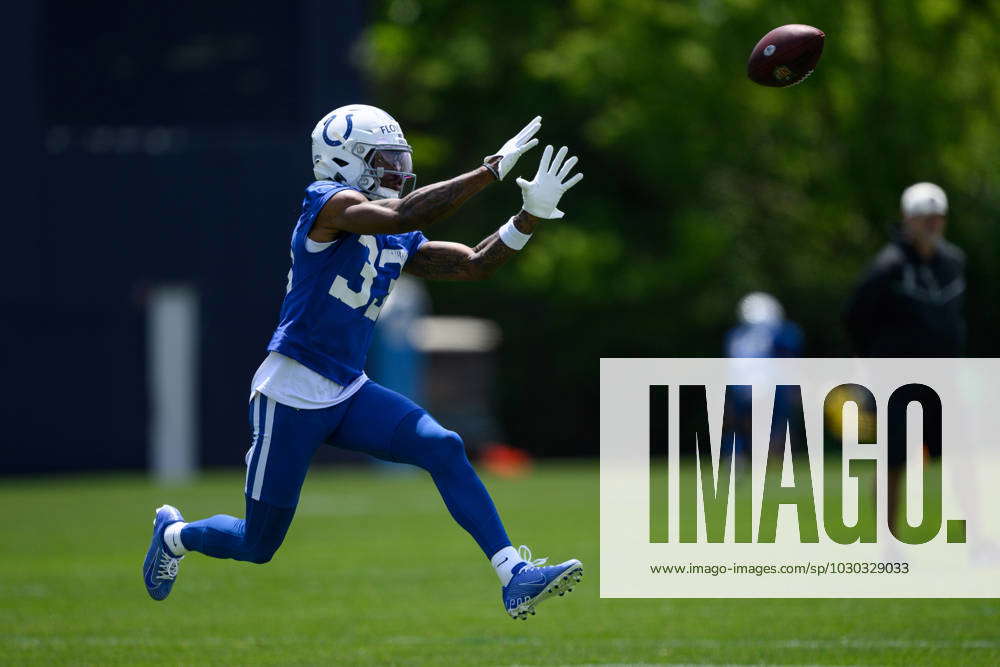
x=374, y=571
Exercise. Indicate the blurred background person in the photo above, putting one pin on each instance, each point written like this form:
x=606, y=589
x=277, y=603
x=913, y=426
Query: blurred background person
x=909, y=300
x=762, y=332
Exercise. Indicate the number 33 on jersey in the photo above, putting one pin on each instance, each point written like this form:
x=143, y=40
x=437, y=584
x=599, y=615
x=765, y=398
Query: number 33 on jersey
x=336, y=291
x=341, y=288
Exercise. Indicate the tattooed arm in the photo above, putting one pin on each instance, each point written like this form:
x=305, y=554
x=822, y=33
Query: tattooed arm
x=442, y=260
x=350, y=211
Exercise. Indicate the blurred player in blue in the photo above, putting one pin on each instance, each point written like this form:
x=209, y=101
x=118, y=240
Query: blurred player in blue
x=763, y=333
x=360, y=227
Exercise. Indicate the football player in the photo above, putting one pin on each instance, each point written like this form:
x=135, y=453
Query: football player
x=360, y=227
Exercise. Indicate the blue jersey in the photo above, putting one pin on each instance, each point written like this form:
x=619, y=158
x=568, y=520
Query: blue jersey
x=774, y=339
x=334, y=295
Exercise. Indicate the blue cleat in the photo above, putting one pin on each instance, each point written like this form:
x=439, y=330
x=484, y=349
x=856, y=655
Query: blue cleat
x=536, y=582
x=159, y=570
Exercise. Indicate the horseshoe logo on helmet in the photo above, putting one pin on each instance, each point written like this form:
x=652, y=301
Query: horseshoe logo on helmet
x=346, y=135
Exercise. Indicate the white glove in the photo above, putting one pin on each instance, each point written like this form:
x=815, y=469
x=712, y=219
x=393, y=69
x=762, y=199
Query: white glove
x=541, y=195
x=513, y=149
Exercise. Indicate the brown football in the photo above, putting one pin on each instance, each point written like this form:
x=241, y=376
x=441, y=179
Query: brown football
x=786, y=55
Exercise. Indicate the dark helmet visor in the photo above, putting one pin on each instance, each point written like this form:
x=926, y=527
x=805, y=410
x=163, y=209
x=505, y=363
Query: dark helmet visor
x=396, y=168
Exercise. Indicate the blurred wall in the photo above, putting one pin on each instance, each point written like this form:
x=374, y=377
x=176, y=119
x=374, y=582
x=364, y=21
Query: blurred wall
x=158, y=143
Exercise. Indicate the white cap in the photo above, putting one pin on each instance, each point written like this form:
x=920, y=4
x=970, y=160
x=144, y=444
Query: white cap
x=760, y=308
x=924, y=199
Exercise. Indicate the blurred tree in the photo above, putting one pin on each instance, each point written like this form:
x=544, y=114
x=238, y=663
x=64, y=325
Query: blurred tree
x=700, y=185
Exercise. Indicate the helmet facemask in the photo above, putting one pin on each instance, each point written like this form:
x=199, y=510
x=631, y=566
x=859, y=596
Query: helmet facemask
x=388, y=171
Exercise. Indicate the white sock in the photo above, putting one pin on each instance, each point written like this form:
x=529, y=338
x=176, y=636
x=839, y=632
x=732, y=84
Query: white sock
x=172, y=538
x=504, y=561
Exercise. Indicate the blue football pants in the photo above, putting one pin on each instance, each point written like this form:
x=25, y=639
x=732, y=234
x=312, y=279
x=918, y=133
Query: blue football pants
x=375, y=421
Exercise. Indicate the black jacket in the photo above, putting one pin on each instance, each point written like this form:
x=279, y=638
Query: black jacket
x=906, y=306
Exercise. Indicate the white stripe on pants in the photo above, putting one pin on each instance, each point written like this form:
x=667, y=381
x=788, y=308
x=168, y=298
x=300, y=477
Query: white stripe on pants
x=265, y=445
